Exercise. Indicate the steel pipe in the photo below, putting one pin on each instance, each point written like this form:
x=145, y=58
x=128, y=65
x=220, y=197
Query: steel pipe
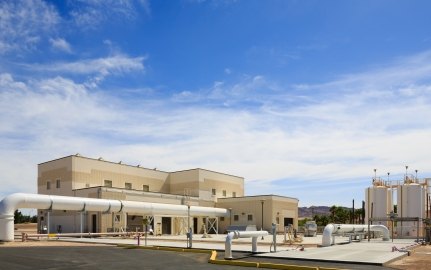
x=242, y=234
x=331, y=229
x=51, y=202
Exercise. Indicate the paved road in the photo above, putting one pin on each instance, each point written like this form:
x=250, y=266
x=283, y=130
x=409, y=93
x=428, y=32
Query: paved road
x=99, y=257
x=109, y=257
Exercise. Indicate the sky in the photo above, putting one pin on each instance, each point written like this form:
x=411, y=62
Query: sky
x=301, y=98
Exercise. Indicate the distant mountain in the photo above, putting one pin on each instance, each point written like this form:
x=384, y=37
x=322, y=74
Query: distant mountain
x=304, y=212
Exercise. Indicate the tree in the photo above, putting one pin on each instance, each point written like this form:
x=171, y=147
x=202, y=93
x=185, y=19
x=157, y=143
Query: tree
x=321, y=220
x=20, y=218
x=358, y=215
x=332, y=210
x=302, y=222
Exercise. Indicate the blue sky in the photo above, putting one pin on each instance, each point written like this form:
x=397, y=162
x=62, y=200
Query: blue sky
x=302, y=98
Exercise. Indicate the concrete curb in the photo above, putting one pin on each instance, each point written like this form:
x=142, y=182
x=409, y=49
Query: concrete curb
x=213, y=259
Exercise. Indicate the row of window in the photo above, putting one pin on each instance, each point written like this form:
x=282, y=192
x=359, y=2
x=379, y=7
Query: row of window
x=236, y=217
x=214, y=192
x=57, y=184
x=108, y=183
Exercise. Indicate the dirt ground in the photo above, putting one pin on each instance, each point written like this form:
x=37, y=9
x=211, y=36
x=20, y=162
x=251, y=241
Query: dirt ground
x=419, y=259
x=32, y=228
x=26, y=227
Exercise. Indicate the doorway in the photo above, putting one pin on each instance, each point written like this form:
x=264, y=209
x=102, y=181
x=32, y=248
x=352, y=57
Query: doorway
x=195, y=225
x=166, y=225
x=288, y=221
x=94, y=223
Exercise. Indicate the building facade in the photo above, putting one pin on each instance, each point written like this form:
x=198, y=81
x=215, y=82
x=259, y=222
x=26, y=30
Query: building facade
x=80, y=176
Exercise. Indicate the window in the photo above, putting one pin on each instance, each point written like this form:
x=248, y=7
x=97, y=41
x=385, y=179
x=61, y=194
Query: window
x=57, y=183
x=128, y=185
x=214, y=191
x=108, y=183
x=145, y=187
x=48, y=184
x=234, y=194
x=221, y=218
x=250, y=217
x=224, y=193
x=235, y=217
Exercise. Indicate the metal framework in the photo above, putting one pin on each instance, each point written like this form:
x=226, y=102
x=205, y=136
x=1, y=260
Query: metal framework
x=212, y=223
x=181, y=225
x=396, y=219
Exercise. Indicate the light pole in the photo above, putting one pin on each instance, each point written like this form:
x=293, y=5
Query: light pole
x=261, y=227
x=406, y=172
x=416, y=175
x=188, y=216
x=375, y=175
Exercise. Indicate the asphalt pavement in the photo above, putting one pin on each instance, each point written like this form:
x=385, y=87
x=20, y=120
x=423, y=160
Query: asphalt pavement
x=115, y=258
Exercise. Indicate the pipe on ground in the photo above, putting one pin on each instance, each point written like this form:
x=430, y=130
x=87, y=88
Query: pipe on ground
x=328, y=238
x=242, y=234
x=51, y=202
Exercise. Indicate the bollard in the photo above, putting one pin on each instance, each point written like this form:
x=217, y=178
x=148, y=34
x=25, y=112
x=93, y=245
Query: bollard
x=274, y=237
x=190, y=238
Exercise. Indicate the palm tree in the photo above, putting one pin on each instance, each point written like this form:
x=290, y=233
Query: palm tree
x=332, y=210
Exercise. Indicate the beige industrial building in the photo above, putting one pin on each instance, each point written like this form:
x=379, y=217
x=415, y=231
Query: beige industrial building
x=80, y=176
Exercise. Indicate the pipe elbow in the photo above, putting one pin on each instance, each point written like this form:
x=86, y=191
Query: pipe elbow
x=327, y=235
x=230, y=237
x=383, y=229
x=10, y=203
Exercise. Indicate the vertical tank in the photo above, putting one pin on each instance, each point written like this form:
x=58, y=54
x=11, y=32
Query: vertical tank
x=378, y=202
x=411, y=198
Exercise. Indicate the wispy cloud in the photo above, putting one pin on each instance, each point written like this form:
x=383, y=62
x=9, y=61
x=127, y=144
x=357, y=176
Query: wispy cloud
x=91, y=14
x=60, y=44
x=99, y=68
x=24, y=23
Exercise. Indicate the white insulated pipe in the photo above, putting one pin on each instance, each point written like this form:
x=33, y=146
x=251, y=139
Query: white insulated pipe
x=51, y=202
x=242, y=234
x=328, y=238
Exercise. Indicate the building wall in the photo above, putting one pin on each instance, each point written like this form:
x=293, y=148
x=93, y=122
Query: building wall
x=275, y=209
x=89, y=173
x=184, y=182
x=60, y=169
x=85, y=177
x=209, y=180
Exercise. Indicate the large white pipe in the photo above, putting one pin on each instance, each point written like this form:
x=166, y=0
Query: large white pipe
x=51, y=202
x=331, y=229
x=242, y=234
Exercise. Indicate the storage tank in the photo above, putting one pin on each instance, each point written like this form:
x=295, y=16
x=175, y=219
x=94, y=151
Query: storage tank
x=411, y=204
x=378, y=202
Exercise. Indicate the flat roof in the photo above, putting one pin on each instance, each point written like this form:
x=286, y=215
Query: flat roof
x=208, y=171
x=258, y=196
x=134, y=166
x=135, y=191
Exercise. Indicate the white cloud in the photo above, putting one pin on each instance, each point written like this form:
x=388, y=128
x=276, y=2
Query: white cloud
x=60, y=44
x=99, y=68
x=108, y=65
x=24, y=23
x=91, y=14
x=328, y=134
